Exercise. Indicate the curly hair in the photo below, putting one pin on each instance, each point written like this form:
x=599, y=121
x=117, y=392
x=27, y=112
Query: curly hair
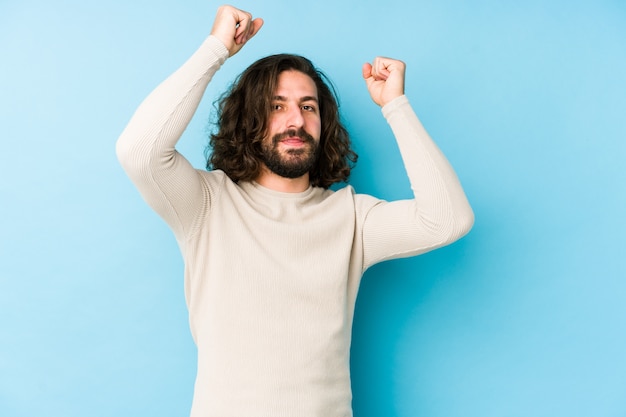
x=243, y=113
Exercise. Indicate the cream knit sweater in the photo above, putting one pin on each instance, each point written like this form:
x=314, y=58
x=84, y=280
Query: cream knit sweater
x=271, y=278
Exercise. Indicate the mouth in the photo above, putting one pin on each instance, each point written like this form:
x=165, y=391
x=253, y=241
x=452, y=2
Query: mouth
x=293, y=141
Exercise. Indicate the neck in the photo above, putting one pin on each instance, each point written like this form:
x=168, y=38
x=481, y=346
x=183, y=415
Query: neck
x=275, y=182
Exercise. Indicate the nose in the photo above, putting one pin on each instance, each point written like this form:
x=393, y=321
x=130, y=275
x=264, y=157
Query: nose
x=295, y=118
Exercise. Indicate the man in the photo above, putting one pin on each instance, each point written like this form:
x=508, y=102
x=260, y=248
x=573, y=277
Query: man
x=273, y=258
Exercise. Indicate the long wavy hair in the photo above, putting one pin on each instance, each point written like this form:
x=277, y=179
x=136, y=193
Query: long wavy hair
x=242, y=119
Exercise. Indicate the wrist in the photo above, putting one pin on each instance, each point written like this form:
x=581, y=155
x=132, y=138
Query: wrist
x=393, y=104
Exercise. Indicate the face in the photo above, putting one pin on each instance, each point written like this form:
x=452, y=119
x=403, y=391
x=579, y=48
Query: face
x=291, y=148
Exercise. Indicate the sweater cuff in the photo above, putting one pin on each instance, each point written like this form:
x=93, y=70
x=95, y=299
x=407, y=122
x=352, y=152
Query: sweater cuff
x=213, y=44
x=394, y=104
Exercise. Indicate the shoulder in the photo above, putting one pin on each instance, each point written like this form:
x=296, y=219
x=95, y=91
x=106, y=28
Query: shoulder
x=215, y=181
x=361, y=202
x=214, y=176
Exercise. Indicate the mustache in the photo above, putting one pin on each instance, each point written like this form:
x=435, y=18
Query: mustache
x=301, y=133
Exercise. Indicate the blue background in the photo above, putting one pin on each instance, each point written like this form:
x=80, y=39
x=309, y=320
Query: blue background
x=523, y=317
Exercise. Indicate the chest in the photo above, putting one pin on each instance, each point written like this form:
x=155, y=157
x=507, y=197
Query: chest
x=292, y=265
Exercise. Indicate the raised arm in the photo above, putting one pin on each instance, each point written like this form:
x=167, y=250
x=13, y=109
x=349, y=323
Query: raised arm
x=439, y=213
x=146, y=148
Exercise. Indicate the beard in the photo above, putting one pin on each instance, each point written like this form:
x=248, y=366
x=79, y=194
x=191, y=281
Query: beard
x=292, y=163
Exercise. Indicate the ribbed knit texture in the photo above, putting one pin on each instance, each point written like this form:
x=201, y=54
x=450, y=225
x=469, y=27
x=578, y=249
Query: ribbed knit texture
x=271, y=278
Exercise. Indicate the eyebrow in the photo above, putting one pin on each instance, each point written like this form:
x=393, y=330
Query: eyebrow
x=302, y=99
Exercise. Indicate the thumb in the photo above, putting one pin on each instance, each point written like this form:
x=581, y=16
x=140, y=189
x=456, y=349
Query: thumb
x=367, y=74
x=367, y=70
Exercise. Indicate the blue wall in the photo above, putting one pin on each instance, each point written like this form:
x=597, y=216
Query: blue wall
x=523, y=317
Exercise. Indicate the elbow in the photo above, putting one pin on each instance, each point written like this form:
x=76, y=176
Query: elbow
x=123, y=153
x=467, y=221
x=456, y=226
x=128, y=153
x=464, y=221
x=121, y=150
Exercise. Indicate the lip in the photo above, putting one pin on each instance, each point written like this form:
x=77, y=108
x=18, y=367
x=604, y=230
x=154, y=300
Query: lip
x=293, y=141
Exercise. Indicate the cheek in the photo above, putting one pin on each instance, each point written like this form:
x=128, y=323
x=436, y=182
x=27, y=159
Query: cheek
x=314, y=127
x=274, y=125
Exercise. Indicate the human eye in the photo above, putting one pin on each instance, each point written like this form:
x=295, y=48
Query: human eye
x=276, y=106
x=309, y=108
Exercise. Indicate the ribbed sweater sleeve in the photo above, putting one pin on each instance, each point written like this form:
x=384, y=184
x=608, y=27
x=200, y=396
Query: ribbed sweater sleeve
x=438, y=215
x=146, y=148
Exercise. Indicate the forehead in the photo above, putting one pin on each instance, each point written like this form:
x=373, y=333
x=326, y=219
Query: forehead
x=293, y=83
